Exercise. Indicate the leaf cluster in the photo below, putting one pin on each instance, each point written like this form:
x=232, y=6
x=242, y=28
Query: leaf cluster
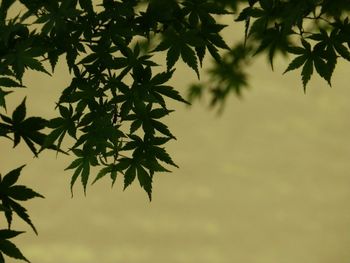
x=10, y=196
x=114, y=107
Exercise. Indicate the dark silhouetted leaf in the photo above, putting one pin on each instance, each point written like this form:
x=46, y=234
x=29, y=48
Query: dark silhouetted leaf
x=129, y=176
x=307, y=72
x=189, y=57
x=22, y=193
x=11, y=250
x=145, y=180
x=20, y=112
x=11, y=177
x=296, y=63
x=7, y=233
x=10, y=83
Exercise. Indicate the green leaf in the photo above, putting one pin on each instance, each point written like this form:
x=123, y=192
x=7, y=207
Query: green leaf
x=65, y=112
x=78, y=152
x=296, y=50
x=159, y=113
x=55, y=123
x=82, y=168
x=162, y=155
x=4, y=130
x=9, y=83
x=22, y=213
x=2, y=97
x=135, y=125
x=8, y=211
x=89, y=59
x=154, y=166
x=331, y=59
x=3, y=208
x=34, y=124
x=248, y=12
x=35, y=65
x=161, y=127
x=20, y=112
x=342, y=50
x=307, y=72
x=160, y=140
x=172, y=56
x=11, y=177
x=22, y=193
x=322, y=69
x=6, y=119
x=218, y=41
x=113, y=175
x=296, y=63
x=162, y=77
x=71, y=55
x=306, y=44
x=53, y=59
x=53, y=136
x=200, y=51
x=103, y=172
x=85, y=174
x=145, y=181
x=129, y=176
x=75, y=177
x=189, y=57
x=11, y=250
x=170, y=92
x=214, y=53
x=28, y=129
x=7, y=233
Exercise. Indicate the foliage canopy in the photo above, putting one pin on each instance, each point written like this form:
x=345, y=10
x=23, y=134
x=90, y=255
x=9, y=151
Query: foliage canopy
x=113, y=109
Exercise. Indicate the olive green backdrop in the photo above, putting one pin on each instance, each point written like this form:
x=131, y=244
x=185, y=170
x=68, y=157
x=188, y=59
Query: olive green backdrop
x=268, y=181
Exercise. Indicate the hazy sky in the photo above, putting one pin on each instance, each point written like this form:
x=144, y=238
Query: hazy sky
x=266, y=182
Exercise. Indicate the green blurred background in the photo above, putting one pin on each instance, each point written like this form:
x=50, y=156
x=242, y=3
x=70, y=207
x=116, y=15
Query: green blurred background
x=266, y=182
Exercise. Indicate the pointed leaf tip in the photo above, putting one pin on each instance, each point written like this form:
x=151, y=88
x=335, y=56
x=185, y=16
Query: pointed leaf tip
x=11, y=177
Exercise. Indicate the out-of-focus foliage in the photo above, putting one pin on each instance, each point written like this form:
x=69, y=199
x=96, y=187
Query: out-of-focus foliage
x=314, y=32
x=113, y=110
